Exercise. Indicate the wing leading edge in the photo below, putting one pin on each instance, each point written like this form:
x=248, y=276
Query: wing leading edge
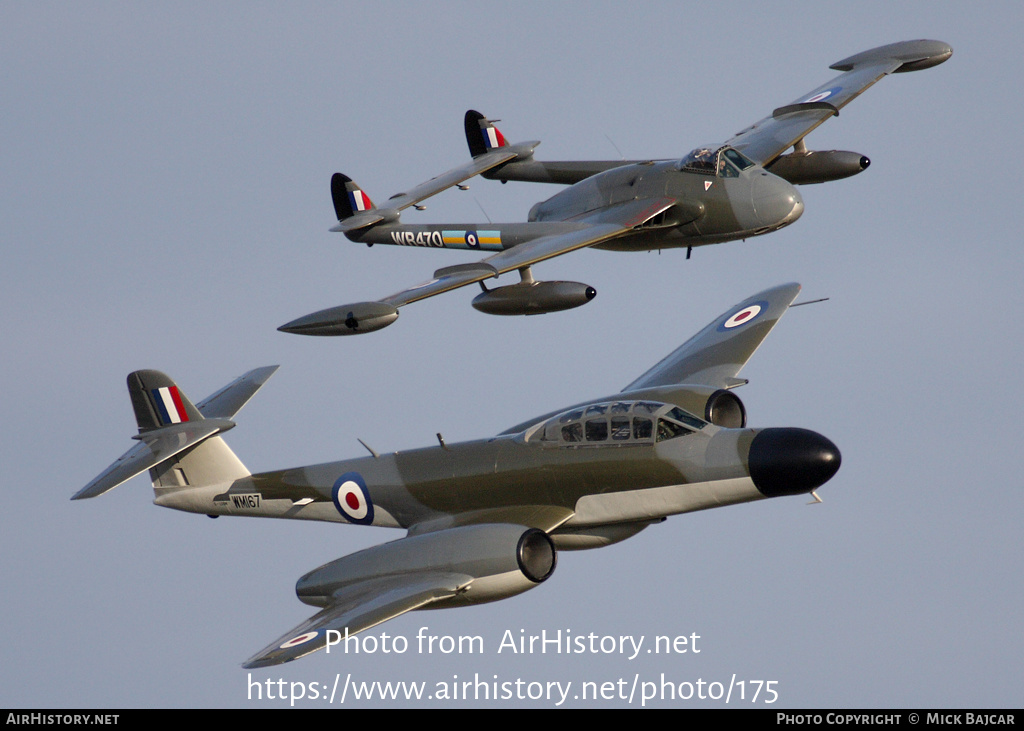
x=714, y=356
x=454, y=567
x=768, y=138
x=356, y=609
x=363, y=317
x=611, y=223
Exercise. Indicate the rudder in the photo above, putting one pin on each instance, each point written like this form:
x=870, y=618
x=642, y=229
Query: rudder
x=481, y=135
x=158, y=402
x=349, y=199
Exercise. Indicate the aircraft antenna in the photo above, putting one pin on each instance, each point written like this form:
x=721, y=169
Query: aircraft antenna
x=368, y=448
x=482, y=210
x=621, y=156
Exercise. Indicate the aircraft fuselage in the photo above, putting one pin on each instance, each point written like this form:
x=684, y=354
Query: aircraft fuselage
x=524, y=479
x=709, y=209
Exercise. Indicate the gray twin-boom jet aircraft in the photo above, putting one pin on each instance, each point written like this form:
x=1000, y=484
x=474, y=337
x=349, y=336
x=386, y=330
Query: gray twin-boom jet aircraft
x=484, y=519
x=744, y=187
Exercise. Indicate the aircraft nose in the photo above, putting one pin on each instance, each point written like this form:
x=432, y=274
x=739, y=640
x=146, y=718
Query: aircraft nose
x=776, y=201
x=791, y=461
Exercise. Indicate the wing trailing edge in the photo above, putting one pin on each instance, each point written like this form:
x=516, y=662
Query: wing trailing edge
x=357, y=609
x=438, y=569
x=714, y=356
x=363, y=317
x=767, y=139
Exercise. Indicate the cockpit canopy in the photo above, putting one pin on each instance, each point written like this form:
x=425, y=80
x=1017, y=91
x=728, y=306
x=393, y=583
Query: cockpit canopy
x=617, y=422
x=725, y=162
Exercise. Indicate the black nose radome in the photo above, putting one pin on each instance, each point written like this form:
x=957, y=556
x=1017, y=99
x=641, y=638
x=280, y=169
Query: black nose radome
x=791, y=461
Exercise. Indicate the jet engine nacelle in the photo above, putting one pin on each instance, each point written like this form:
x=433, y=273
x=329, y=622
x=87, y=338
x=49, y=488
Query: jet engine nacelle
x=718, y=406
x=534, y=298
x=805, y=168
x=496, y=561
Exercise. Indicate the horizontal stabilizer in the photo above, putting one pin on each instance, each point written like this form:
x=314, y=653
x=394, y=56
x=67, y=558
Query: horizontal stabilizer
x=452, y=177
x=355, y=210
x=170, y=424
x=156, y=446
x=358, y=221
x=229, y=400
x=485, y=141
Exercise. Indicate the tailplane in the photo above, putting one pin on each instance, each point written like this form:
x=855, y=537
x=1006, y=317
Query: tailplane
x=178, y=440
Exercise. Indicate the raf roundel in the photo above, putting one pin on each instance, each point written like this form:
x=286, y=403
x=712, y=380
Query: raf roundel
x=823, y=95
x=352, y=499
x=743, y=316
x=300, y=640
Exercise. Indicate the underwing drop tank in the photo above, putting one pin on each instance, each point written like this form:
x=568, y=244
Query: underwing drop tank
x=534, y=298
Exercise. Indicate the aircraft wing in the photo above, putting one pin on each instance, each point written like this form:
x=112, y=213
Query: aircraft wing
x=715, y=355
x=359, y=607
x=606, y=224
x=602, y=225
x=770, y=137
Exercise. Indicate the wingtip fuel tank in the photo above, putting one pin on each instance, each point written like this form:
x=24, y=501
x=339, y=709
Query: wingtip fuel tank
x=361, y=317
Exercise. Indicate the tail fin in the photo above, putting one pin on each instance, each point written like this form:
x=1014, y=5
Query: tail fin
x=481, y=134
x=158, y=402
x=349, y=198
x=178, y=442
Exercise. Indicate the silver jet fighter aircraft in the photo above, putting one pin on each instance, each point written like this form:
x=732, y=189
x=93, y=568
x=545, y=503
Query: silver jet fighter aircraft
x=743, y=187
x=484, y=519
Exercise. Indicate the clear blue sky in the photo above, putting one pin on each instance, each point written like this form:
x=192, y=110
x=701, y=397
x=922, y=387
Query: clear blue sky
x=165, y=204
